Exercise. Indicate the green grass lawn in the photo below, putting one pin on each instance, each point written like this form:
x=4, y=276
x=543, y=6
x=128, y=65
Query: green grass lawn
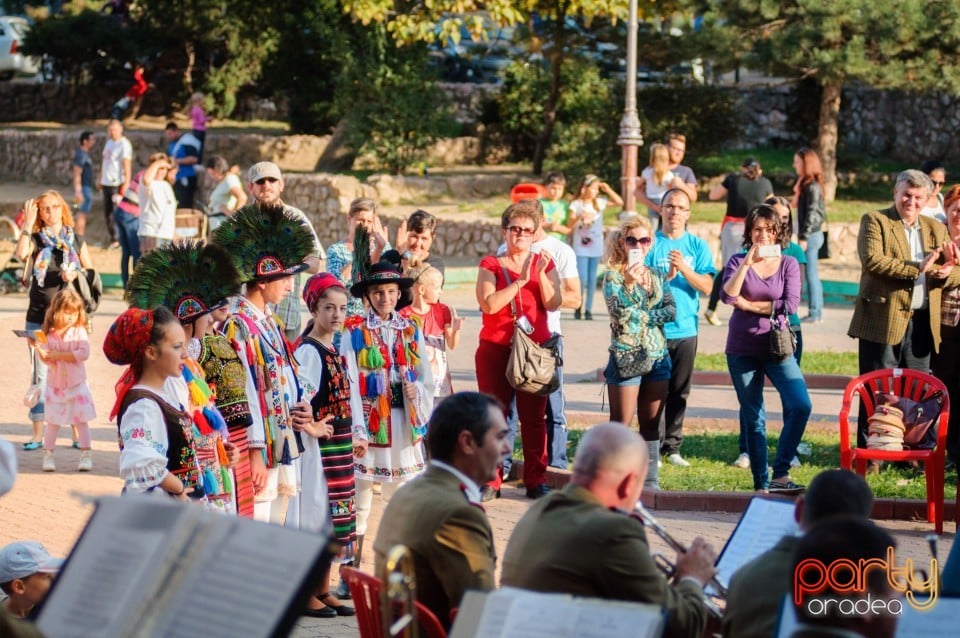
x=711, y=455
x=813, y=362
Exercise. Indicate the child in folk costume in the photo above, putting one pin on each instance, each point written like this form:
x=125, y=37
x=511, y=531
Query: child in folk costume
x=391, y=388
x=269, y=246
x=440, y=324
x=192, y=281
x=157, y=449
x=324, y=381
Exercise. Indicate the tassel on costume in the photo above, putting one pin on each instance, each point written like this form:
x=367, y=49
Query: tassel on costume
x=210, y=482
x=227, y=483
x=222, y=454
x=285, y=458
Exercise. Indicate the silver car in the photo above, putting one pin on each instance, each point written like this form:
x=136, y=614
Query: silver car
x=13, y=30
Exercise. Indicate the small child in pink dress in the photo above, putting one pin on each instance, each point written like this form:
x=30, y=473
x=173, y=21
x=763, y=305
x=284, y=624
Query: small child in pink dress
x=67, y=397
x=440, y=324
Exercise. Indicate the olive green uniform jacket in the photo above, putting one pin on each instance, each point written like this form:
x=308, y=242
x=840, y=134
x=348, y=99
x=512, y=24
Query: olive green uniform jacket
x=450, y=538
x=756, y=592
x=568, y=542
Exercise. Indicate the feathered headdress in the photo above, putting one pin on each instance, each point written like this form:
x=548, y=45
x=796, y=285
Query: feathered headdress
x=265, y=242
x=189, y=279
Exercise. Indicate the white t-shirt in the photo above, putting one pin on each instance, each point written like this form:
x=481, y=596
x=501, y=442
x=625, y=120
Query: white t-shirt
x=565, y=261
x=222, y=195
x=654, y=191
x=587, y=235
x=114, y=152
x=158, y=210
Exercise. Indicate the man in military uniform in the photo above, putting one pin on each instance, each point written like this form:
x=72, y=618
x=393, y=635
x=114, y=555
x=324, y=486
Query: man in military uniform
x=582, y=540
x=439, y=515
x=757, y=589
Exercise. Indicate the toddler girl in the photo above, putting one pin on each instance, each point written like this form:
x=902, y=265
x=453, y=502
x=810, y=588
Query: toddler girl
x=67, y=397
x=440, y=324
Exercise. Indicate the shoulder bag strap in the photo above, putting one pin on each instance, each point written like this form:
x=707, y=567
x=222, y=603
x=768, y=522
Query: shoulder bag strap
x=513, y=300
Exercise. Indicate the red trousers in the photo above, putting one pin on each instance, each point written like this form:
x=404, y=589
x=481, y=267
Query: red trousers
x=491, y=365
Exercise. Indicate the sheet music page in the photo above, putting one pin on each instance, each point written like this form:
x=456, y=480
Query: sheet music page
x=787, y=621
x=759, y=529
x=603, y=619
x=119, y=556
x=246, y=574
x=492, y=615
x=536, y=615
x=941, y=620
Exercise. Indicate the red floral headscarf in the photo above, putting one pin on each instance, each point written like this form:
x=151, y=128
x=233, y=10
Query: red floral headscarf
x=124, y=345
x=317, y=285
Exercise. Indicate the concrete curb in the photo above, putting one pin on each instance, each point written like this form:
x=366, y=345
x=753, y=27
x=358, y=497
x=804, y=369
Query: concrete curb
x=900, y=509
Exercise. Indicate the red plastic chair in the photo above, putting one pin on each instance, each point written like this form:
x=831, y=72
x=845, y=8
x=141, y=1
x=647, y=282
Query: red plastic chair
x=527, y=191
x=365, y=592
x=911, y=384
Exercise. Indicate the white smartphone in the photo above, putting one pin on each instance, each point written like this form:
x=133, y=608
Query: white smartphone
x=634, y=256
x=768, y=250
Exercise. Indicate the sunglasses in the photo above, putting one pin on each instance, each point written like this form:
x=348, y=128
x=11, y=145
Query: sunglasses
x=634, y=241
x=265, y=180
x=520, y=231
x=938, y=184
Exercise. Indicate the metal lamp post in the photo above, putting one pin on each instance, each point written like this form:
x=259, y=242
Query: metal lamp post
x=630, y=138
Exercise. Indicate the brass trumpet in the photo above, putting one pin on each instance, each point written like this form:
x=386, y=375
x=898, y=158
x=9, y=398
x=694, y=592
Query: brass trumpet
x=714, y=601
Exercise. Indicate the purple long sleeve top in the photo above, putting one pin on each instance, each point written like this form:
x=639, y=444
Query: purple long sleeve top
x=749, y=333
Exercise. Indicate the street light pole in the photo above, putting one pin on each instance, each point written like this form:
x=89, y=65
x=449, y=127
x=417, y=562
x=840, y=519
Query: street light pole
x=630, y=138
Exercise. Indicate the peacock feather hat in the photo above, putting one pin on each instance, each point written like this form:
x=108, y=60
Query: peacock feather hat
x=188, y=278
x=266, y=242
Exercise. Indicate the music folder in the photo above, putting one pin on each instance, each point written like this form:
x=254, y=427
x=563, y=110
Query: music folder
x=518, y=613
x=763, y=524
x=146, y=566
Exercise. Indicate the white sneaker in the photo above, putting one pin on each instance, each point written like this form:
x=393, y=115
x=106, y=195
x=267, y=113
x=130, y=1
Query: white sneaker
x=743, y=461
x=659, y=463
x=676, y=459
x=795, y=462
x=86, y=461
x=48, y=463
x=712, y=318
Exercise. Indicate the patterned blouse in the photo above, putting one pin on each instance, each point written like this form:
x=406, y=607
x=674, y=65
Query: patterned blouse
x=637, y=318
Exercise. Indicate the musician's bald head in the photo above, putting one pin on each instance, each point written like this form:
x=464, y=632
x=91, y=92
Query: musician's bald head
x=612, y=463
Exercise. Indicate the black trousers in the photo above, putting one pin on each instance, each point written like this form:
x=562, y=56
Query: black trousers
x=912, y=353
x=682, y=352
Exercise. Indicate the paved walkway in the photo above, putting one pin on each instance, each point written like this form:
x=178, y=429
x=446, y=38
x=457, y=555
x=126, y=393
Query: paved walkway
x=48, y=507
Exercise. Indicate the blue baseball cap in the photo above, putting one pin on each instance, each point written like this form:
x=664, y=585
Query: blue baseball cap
x=26, y=558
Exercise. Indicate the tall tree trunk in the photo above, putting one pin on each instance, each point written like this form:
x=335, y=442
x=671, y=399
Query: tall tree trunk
x=827, y=136
x=553, y=98
x=191, y=52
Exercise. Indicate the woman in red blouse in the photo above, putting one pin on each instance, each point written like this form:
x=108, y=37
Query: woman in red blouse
x=534, y=288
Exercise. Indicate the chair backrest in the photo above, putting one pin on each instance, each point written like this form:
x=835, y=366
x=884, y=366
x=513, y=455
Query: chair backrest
x=365, y=591
x=902, y=382
x=527, y=191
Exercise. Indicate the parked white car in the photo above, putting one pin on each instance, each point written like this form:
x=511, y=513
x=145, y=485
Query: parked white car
x=13, y=30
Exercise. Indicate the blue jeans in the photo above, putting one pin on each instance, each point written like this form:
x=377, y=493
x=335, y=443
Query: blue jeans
x=127, y=225
x=814, y=287
x=747, y=374
x=38, y=375
x=556, y=426
x=797, y=354
x=587, y=269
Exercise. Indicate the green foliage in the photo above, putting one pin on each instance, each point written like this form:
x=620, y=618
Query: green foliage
x=392, y=106
x=85, y=48
x=589, y=112
x=183, y=48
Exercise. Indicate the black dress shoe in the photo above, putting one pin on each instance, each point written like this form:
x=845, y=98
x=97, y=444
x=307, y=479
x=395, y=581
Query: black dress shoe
x=487, y=493
x=323, y=612
x=538, y=491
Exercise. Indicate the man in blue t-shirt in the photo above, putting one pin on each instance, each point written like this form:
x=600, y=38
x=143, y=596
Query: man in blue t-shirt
x=686, y=262
x=184, y=148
